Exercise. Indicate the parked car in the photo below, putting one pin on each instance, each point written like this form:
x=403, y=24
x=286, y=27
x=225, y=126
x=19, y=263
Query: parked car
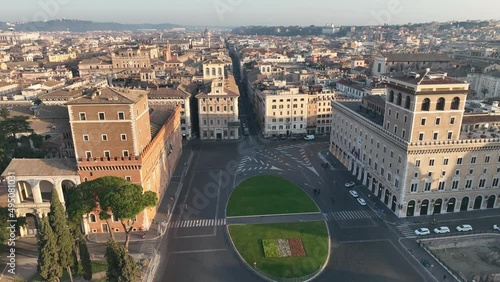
x=441, y=230
x=362, y=201
x=349, y=184
x=496, y=227
x=292, y=138
x=309, y=137
x=422, y=231
x=425, y=263
x=464, y=227
x=275, y=139
x=283, y=137
x=353, y=193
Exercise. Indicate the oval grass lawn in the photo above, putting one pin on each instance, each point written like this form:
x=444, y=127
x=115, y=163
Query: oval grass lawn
x=314, y=235
x=268, y=195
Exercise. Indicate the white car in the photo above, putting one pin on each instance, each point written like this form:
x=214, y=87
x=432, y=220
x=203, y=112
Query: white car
x=353, y=193
x=362, y=201
x=422, y=231
x=309, y=137
x=496, y=227
x=349, y=184
x=464, y=227
x=441, y=230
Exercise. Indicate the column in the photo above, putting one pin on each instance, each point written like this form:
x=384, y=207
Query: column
x=360, y=173
x=354, y=166
x=350, y=164
x=59, y=190
x=35, y=189
x=365, y=177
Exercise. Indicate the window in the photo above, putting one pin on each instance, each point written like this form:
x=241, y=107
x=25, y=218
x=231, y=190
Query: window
x=450, y=135
x=452, y=120
x=441, y=185
x=440, y=104
x=459, y=161
x=443, y=173
x=438, y=121
x=125, y=153
x=107, y=154
x=85, y=137
x=92, y=218
x=457, y=172
x=422, y=121
x=395, y=129
x=407, y=102
x=104, y=137
x=114, y=218
x=445, y=161
x=426, y=104
x=468, y=184
x=473, y=160
x=128, y=178
x=454, y=185
x=414, y=187
x=406, y=119
x=427, y=186
x=435, y=136
x=88, y=154
x=429, y=174
x=121, y=115
x=431, y=162
x=455, y=103
x=417, y=163
x=83, y=116
x=403, y=133
x=415, y=175
x=494, y=183
x=101, y=116
x=397, y=115
x=420, y=136
x=482, y=182
x=123, y=137
x=487, y=159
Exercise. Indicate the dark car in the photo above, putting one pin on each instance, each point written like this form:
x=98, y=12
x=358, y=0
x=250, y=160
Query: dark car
x=283, y=137
x=292, y=138
x=275, y=139
x=425, y=263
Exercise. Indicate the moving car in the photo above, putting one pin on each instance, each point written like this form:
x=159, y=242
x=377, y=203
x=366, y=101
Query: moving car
x=353, y=193
x=425, y=263
x=422, y=231
x=496, y=227
x=362, y=201
x=464, y=227
x=441, y=230
x=309, y=137
x=349, y=184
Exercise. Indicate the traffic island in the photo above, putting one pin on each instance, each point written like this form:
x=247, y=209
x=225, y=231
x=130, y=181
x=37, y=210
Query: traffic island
x=283, y=250
x=277, y=251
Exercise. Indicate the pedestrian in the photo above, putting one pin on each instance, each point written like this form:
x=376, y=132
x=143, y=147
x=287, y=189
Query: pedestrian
x=143, y=235
x=444, y=277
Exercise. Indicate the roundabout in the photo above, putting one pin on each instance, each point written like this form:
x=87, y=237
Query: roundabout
x=277, y=251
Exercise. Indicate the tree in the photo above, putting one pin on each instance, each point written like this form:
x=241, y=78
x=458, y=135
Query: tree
x=14, y=125
x=4, y=113
x=121, y=266
x=113, y=195
x=59, y=224
x=48, y=258
x=85, y=258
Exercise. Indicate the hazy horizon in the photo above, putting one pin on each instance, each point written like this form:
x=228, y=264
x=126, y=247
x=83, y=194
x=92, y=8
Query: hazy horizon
x=256, y=12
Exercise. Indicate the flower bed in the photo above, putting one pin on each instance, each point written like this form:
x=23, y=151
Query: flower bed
x=270, y=248
x=283, y=248
x=296, y=247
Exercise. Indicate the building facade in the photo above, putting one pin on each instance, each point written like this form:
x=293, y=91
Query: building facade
x=415, y=157
x=218, y=111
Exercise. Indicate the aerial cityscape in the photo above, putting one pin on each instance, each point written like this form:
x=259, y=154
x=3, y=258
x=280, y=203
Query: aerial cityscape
x=233, y=140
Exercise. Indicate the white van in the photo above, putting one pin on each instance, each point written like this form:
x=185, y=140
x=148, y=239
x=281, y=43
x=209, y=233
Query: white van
x=309, y=137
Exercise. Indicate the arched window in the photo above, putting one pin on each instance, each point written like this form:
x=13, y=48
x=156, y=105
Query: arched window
x=213, y=72
x=92, y=217
x=440, y=104
x=207, y=71
x=391, y=97
x=398, y=102
x=426, y=104
x=455, y=103
x=220, y=71
x=407, y=102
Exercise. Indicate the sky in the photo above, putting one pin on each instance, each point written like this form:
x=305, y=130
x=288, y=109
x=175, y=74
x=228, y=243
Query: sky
x=252, y=12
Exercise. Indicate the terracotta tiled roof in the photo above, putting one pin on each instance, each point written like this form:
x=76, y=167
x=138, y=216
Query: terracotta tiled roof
x=110, y=95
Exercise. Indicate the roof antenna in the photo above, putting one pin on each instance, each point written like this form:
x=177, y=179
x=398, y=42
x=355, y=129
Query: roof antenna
x=427, y=71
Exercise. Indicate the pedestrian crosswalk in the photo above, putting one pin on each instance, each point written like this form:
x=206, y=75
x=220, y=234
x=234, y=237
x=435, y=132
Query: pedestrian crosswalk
x=197, y=223
x=349, y=215
x=248, y=163
x=406, y=231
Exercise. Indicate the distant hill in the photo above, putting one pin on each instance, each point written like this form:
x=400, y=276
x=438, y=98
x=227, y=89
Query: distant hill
x=82, y=26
